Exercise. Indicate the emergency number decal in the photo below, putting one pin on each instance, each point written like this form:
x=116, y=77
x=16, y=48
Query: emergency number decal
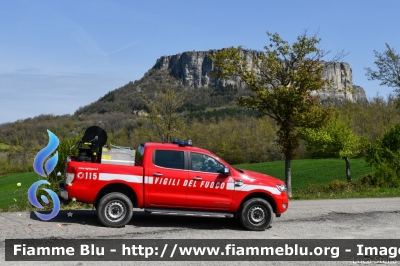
x=87, y=175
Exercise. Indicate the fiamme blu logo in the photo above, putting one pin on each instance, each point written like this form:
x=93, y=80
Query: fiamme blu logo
x=44, y=169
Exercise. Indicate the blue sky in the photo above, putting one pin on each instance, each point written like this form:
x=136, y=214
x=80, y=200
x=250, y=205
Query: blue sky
x=56, y=56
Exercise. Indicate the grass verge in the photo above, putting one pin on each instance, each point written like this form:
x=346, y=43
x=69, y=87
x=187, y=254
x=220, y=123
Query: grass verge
x=14, y=193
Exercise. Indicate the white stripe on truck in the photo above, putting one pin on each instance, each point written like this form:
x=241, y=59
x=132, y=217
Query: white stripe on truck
x=148, y=180
x=254, y=187
x=127, y=178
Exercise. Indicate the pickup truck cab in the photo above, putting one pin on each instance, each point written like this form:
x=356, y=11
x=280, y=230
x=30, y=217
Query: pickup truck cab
x=175, y=178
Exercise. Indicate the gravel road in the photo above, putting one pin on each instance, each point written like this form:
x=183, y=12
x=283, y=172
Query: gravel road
x=306, y=219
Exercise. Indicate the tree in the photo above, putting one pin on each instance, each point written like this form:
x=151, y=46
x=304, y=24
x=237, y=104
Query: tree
x=388, y=72
x=281, y=81
x=162, y=117
x=334, y=140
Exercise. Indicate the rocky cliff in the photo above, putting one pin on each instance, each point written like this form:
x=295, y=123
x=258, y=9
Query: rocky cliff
x=194, y=69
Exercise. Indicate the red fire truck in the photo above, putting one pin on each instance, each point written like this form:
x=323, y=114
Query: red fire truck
x=168, y=178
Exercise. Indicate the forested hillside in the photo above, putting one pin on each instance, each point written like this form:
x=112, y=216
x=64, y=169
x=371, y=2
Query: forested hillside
x=131, y=97
x=209, y=115
x=236, y=134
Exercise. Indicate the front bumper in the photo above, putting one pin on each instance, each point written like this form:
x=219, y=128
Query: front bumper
x=282, y=203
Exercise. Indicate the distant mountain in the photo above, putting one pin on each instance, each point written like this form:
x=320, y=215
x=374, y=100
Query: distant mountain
x=194, y=70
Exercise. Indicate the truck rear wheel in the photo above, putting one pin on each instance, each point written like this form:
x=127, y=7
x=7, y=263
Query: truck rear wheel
x=115, y=210
x=256, y=214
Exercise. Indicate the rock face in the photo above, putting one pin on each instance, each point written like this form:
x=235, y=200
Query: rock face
x=194, y=70
x=359, y=94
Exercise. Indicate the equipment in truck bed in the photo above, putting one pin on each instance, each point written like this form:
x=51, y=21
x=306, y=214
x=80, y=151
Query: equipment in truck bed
x=90, y=146
x=118, y=155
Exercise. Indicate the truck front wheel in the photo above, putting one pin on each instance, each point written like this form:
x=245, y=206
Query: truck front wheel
x=115, y=210
x=256, y=214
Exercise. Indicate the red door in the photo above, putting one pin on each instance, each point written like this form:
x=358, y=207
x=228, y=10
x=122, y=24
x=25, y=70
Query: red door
x=165, y=178
x=207, y=187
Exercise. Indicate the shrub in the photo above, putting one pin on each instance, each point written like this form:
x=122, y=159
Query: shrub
x=382, y=176
x=336, y=186
x=384, y=156
x=386, y=175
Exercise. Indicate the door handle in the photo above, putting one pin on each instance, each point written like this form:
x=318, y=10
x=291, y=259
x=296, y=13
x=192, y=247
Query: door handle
x=157, y=174
x=197, y=178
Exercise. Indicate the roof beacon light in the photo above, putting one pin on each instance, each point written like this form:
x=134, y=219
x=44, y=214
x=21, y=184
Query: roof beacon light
x=189, y=142
x=181, y=143
x=175, y=141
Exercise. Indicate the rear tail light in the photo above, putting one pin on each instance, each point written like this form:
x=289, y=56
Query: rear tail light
x=70, y=175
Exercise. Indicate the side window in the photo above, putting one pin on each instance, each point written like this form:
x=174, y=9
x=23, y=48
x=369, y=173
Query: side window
x=205, y=163
x=169, y=159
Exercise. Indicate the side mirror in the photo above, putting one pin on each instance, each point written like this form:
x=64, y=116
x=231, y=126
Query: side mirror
x=227, y=171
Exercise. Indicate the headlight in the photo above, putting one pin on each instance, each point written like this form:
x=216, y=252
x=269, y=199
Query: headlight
x=281, y=188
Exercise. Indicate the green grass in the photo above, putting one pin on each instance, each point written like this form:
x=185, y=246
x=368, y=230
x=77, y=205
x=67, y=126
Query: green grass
x=15, y=198
x=9, y=190
x=311, y=171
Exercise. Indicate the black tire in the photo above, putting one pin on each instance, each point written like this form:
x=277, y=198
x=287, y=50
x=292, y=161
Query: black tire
x=115, y=210
x=256, y=214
